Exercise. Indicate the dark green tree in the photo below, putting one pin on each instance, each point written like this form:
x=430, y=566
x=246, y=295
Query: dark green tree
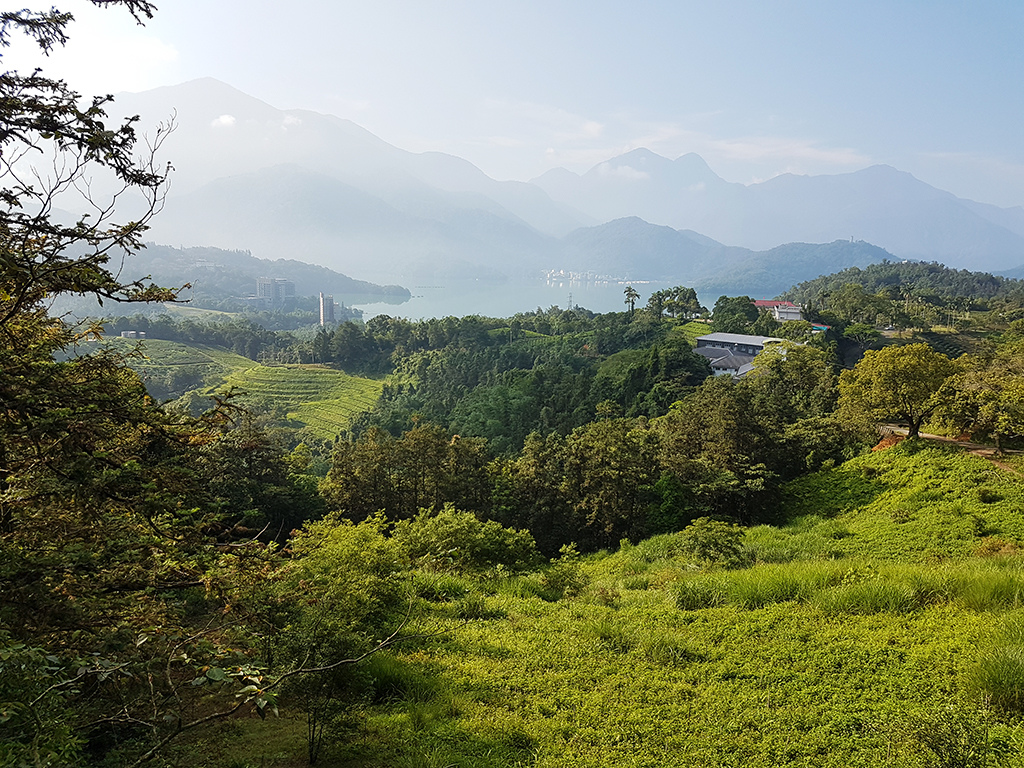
x=733, y=314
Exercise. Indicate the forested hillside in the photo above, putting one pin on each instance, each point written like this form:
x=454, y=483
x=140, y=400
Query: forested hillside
x=553, y=539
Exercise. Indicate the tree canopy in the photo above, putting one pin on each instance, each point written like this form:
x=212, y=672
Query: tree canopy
x=896, y=382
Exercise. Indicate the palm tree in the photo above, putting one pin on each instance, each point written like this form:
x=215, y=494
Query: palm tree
x=631, y=298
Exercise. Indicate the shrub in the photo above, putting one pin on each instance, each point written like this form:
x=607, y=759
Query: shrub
x=715, y=543
x=450, y=539
x=564, y=577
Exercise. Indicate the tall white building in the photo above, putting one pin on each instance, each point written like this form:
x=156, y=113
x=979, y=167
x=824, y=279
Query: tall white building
x=326, y=310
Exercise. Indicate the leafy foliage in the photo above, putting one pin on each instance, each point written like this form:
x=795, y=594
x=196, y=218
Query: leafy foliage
x=449, y=539
x=896, y=382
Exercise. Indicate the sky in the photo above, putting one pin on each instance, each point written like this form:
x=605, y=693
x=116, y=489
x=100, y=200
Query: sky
x=756, y=87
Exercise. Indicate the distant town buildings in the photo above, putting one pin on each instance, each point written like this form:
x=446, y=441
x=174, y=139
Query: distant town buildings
x=133, y=334
x=274, y=292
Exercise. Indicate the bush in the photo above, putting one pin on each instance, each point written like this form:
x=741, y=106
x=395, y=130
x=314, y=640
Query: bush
x=715, y=543
x=449, y=539
x=565, y=577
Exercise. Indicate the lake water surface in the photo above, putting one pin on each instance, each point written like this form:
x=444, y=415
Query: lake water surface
x=490, y=300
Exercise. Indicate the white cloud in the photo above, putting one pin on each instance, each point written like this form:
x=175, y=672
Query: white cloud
x=224, y=121
x=290, y=121
x=622, y=172
x=786, y=150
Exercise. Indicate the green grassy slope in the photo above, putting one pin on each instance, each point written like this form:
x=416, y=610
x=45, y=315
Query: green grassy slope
x=865, y=616
x=909, y=503
x=322, y=399
x=171, y=367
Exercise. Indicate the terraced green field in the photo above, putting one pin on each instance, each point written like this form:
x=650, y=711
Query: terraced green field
x=171, y=368
x=321, y=399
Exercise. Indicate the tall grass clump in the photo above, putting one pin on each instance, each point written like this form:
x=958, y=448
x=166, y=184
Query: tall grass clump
x=396, y=680
x=809, y=538
x=764, y=585
x=867, y=597
x=999, y=671
x=668, y=650
x=664, y=546
x=439, y=587
x=992, y=590
x=999, y=674
x=960, y=735
x=695, y=594
x=611, y=634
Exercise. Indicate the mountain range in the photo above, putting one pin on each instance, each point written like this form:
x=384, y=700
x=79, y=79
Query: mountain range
x=294, y=184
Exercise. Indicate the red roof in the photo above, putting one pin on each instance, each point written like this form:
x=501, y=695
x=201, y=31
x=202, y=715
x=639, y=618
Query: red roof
x=769, y=303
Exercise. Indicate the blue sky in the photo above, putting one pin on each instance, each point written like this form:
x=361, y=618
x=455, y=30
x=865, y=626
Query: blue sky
x=756, y=88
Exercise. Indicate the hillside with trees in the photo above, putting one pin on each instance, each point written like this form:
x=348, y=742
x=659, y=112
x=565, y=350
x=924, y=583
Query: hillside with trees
x=553, y=539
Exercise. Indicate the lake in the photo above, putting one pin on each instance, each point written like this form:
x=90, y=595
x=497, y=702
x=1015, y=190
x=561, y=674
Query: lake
x=459, y=299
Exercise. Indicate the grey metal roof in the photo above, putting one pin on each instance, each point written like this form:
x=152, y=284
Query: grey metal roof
x=738, y=338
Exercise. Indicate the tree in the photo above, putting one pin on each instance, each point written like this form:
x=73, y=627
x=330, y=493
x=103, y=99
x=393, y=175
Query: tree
x=682, y=301
x=103, y=496
x=43, y=121
x=632, y=297
x=657, y=302
x=896, y=382
x=733, y=314
x=765, y=324
x=986, y=394
x=862, y=334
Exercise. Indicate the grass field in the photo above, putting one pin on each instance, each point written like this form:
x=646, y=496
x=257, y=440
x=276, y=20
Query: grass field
x=322, y=399
x=171, y=368
x=880, y=625
x=691, y=331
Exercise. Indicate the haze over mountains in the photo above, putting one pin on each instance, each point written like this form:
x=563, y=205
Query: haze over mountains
x=301, y=185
